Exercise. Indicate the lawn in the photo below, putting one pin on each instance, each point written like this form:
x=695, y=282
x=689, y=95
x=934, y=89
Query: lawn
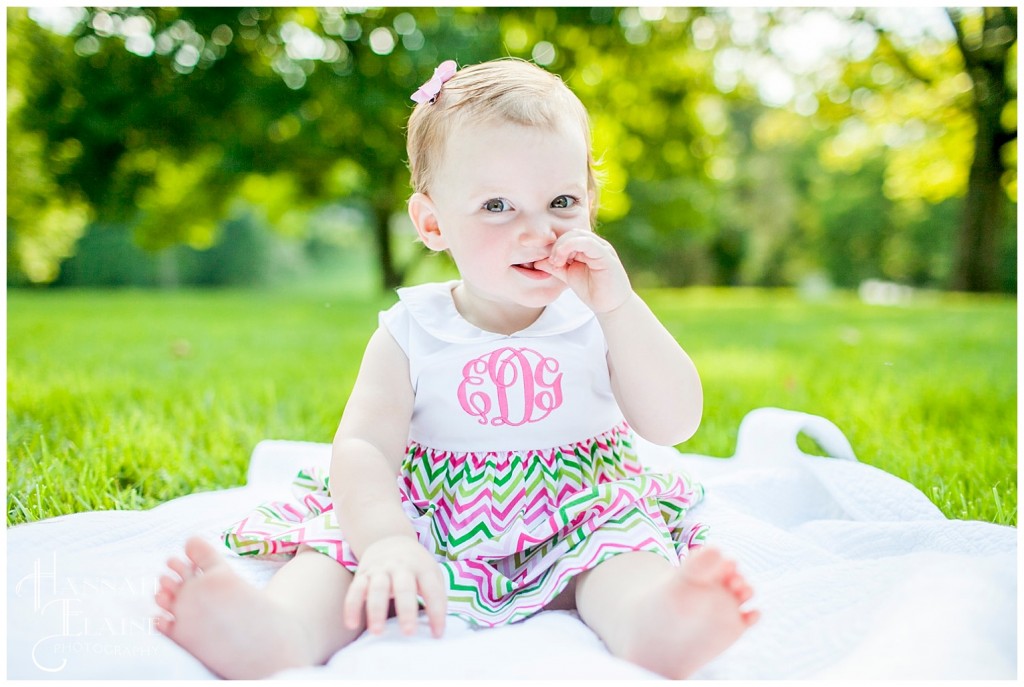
x=125, y=399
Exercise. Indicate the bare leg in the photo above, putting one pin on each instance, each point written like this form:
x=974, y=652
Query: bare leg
x=239, y=631
x=666, y=619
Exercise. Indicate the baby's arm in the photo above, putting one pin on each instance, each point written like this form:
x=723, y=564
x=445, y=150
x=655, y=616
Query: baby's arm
x=654, y=380
x=368, y=449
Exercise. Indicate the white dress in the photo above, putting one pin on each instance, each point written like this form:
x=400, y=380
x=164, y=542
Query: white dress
x=519, y=471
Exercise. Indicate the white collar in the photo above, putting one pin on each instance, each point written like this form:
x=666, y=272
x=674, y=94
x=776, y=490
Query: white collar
x=433, y=308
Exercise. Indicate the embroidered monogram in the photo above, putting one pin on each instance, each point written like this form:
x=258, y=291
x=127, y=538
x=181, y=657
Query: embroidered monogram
x=517, y=385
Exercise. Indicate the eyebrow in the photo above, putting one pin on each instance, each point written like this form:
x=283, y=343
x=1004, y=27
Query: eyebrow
x=494, y=190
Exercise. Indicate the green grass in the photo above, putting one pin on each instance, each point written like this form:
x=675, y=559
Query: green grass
x=127, y=399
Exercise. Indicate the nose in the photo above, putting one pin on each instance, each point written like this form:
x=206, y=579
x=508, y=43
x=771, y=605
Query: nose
x=538, y=231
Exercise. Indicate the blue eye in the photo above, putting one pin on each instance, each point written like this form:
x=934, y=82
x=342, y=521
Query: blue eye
x=496, y=205
x=564, y=202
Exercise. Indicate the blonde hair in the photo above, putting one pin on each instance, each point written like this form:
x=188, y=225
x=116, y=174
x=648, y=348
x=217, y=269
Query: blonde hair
x=507, y=89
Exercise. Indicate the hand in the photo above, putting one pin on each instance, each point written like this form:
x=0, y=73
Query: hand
x=396, y=568
x=591, y=268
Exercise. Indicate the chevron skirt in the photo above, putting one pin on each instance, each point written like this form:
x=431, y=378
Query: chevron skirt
x=511, y=528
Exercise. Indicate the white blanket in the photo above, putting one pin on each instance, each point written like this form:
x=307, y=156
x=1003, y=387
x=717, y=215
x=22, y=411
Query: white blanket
x=857, y=575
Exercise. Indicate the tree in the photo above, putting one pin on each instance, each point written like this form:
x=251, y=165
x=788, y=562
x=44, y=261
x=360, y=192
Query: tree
x=987, y=51
x=957, y=136
x=175, y=120
x=44, y=219
x=285, y=107
x=172, y=115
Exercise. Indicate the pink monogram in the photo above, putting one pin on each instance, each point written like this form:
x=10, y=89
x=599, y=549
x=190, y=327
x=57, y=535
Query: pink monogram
x=520, y=384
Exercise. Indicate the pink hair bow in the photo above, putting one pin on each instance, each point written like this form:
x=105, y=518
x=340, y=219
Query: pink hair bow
x=428, y=91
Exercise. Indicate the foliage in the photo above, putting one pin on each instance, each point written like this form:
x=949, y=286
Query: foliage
x=246, y=254
x=103, y=416
x=726, y=153
x=44, y=220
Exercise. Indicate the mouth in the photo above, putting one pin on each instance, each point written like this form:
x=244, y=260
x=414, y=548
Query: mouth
x=528, y=269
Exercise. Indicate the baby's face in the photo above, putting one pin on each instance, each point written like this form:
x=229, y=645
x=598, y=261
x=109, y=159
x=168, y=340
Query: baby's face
x=503, y=194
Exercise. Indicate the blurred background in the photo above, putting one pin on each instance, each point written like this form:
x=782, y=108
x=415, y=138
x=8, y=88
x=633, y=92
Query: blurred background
x=816, y=148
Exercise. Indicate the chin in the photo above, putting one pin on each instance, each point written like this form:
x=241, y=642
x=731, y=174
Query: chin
x=542, y=297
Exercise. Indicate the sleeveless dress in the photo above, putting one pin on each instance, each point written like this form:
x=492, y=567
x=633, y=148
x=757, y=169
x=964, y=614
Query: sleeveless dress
x=519, y=472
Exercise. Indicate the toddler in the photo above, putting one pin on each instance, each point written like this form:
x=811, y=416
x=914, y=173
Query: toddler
x=505, y=403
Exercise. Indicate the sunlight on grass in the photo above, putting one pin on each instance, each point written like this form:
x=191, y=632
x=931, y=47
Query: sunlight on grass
x=128, y=399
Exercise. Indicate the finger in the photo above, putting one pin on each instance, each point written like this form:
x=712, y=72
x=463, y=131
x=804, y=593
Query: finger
x=434, y=590
x=575, y=234
x=355, y=601
x=377, y=597
x=545, y=265
x=579, y=247
x=406, y=606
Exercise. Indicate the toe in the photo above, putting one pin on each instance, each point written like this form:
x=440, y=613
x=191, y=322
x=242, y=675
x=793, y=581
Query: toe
x=164, y=625
x=703, y=565
x=164, y=600
x=743, y=594
x=750, y=617
x=739, y=588
x=184, y=569
x=170, y=584
x=202, y=553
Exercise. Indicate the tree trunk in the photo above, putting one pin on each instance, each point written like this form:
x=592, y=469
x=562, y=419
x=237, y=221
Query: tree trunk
x=976, y=266
x=167, y=269
x=977, y=259
x=391, y=276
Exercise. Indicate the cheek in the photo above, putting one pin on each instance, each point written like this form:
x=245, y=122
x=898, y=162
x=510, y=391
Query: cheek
x=476, y=247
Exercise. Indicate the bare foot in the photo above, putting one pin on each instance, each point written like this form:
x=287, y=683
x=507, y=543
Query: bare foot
x=692, y=617
x=229, y=625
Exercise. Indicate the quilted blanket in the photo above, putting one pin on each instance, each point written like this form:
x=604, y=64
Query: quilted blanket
x=857, y=575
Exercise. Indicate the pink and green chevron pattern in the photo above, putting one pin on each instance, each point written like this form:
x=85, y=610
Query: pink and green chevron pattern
x=509, y=528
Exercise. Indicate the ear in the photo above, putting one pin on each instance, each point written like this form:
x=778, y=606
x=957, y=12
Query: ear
x=424, y=217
